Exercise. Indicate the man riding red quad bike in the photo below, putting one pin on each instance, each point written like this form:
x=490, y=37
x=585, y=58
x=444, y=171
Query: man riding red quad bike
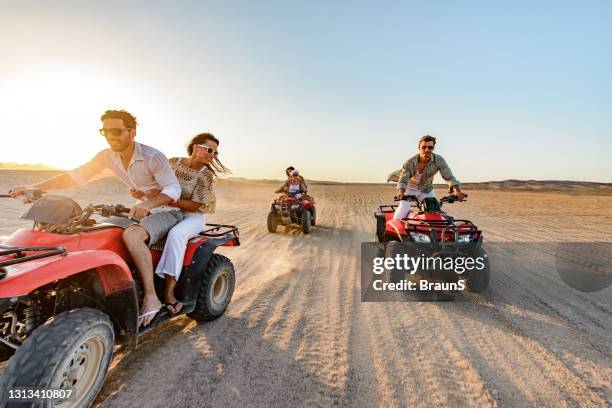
x=431, y=232
x=67, y=288
x=291, y=209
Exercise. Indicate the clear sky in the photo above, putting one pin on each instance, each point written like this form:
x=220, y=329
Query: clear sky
x=340, y=90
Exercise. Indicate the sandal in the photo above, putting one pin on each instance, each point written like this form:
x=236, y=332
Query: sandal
x=174, y=306
x=152, y=312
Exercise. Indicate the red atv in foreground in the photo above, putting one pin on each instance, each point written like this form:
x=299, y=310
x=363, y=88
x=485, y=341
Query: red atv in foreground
x=68, y=288
x=431, y=232
x=292, y=210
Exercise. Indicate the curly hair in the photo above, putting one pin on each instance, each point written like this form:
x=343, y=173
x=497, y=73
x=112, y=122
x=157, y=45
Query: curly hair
x=128, y=119
x=215, y=165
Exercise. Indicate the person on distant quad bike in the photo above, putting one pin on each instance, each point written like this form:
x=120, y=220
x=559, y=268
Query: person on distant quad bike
x=417, y=175
x=295, y=186
x=140, y=167
x=195, y=174
x=288, y=171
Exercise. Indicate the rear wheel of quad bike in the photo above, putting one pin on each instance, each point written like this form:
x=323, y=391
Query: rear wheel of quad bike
x=216, y=290
x=313, y=215
x=71, y=352
x=306, y=222
x=392, y=249
x=478, y=279
x=272, y=222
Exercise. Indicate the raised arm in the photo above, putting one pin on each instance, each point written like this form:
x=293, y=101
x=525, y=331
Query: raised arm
x=59, y=182
x=80, y=175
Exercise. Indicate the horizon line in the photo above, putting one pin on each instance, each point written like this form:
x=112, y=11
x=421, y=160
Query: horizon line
x=603, y=183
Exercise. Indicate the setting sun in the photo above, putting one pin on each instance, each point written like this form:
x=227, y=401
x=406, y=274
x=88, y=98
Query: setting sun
x=56, y=109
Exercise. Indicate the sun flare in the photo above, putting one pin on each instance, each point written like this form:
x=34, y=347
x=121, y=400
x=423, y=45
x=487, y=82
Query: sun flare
x=51, y=114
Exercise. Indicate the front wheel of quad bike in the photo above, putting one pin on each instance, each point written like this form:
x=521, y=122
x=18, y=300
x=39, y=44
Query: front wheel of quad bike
x=306, y=222
x=478, y=279
x=70, y=352
x=392, y=249
x=272, y=222
x=313, y=215
x=216, y=289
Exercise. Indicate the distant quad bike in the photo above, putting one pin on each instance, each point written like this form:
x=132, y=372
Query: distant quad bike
x=292, y=210
x=67, y=288
x=432, y=233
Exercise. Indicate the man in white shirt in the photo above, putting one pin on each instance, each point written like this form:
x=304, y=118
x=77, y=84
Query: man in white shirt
x=139, y=167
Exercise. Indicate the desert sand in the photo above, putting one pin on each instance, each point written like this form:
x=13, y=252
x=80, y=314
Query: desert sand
x=297, y=333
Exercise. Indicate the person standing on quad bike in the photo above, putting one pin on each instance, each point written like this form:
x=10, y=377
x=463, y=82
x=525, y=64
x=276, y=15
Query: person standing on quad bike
x=140, y=167
x=416, y=177
x=195, y=174
x=288, y=171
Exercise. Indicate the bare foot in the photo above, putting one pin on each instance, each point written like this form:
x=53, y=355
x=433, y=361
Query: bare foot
x=150, y=307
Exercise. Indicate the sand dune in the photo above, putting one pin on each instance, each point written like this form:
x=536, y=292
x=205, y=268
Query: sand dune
x=296, y=331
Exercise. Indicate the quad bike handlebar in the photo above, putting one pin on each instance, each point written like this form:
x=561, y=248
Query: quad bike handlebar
x=451, y=198
x=30, y=194
x=422, y=204
x=83, y=220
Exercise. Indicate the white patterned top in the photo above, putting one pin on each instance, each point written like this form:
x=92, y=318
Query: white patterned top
x=196, y=185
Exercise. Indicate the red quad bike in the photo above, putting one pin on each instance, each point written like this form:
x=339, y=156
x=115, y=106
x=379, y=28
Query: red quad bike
x=292, y=210
x=68, y=287
x=432, y=233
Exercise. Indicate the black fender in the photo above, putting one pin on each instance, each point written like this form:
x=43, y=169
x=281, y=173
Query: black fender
x=188, y=286
x=122, y=307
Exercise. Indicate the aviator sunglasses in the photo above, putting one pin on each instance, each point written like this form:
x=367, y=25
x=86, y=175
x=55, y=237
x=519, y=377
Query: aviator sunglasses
x=114, y=132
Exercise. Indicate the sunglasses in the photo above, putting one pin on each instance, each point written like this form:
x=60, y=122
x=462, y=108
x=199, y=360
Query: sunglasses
x=427, y=147
x=114, y=132
x=209, y=150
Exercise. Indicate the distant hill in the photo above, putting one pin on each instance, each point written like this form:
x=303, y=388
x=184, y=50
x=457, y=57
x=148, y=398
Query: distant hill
x=483, y=185
x=536, y=185
x=22, y=166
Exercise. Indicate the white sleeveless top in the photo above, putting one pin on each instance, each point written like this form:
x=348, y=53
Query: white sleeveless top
x=294, y=188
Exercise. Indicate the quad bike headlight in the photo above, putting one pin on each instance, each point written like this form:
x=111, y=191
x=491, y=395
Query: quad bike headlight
x=465, y=238
x=420, y=237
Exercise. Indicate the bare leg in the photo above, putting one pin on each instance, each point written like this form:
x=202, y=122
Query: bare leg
x=134, y=238
x=172, y=303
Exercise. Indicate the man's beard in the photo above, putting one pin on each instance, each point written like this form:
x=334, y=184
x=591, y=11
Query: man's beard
x=119, y=146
